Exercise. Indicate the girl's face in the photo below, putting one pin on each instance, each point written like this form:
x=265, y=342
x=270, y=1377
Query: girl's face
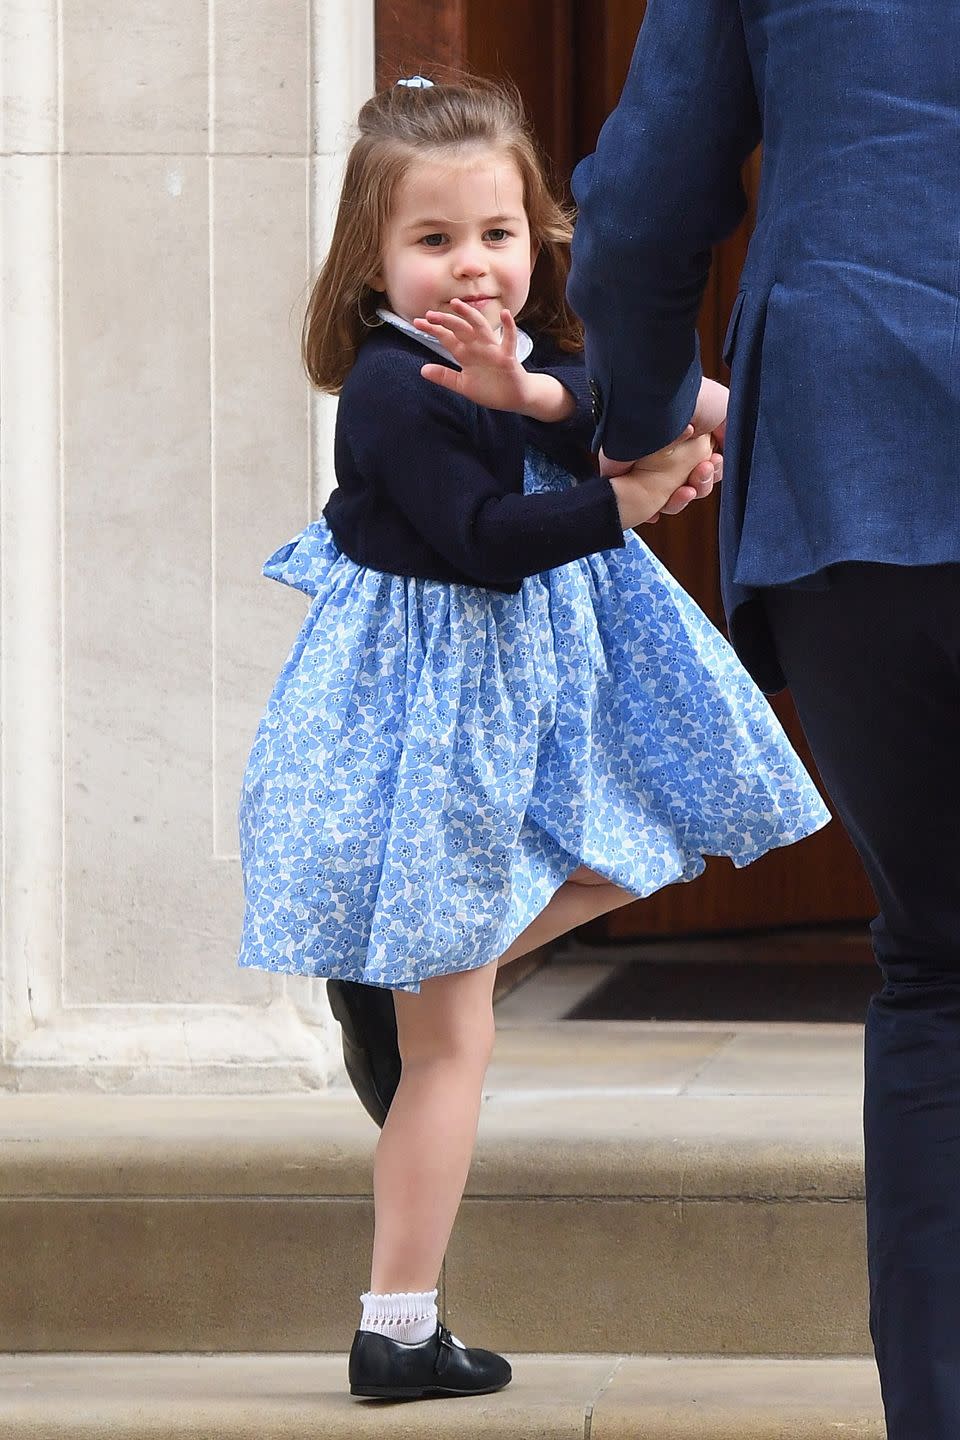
x=458, y=231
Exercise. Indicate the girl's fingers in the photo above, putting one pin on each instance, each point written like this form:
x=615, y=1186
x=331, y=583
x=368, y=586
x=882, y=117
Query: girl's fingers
x=469, y=312
x=477, y=324
x=460, y=324
x=443, y=333
x=465, y=327
x=440, y=375
x=509, y=342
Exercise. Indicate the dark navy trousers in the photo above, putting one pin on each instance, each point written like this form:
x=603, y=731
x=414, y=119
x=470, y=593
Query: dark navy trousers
x=873, y=662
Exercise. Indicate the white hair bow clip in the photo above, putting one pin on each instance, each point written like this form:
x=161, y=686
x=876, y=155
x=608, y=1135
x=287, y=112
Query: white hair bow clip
x=417, y=82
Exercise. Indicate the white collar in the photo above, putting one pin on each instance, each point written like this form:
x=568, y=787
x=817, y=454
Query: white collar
x=524, y=343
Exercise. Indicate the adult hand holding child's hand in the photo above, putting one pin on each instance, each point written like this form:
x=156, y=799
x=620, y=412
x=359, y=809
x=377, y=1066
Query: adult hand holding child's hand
x=645, y=488
x=707, y=422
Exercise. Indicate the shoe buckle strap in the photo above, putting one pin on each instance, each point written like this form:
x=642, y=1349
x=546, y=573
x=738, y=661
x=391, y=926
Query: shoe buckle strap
x=444, y=1350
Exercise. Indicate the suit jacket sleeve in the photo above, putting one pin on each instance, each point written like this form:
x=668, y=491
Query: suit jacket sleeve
x=662, y=188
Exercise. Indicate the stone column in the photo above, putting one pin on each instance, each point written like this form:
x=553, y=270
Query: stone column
x=169, y=172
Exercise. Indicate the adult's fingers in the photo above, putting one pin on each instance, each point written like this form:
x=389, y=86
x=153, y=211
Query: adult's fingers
x=612, y=468
x=688, y=432
x=679, y=500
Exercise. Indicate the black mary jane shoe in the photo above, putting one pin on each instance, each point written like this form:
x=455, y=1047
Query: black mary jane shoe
x=386, y=1369
x=371, y=1054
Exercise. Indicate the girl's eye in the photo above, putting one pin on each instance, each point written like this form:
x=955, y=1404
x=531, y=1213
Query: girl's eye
x=498, y=234
x=433, y=240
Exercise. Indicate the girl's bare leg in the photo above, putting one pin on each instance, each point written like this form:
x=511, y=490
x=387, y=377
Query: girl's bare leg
x=584, y=897
x=446, y=1035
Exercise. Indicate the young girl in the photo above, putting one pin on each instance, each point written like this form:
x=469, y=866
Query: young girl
x=501, y=717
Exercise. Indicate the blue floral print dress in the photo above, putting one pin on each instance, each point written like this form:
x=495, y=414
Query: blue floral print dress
x=436, y=759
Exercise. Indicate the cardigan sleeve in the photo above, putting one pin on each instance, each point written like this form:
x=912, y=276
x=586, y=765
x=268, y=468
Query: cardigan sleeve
x=422, y=445
x=570, y=369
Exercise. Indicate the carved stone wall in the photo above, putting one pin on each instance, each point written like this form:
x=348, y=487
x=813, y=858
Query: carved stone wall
x=169, y=171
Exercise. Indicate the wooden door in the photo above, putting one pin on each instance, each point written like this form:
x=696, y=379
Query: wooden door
x=569, y=59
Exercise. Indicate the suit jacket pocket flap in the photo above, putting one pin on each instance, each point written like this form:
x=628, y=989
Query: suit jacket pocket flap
x=730, y=339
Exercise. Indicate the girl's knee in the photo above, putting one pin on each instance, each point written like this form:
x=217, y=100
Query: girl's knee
x=464, y=1049
x=594, y=896
x=450, y=1022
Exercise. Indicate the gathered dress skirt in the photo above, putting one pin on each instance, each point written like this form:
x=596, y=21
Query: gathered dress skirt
x=436, y=759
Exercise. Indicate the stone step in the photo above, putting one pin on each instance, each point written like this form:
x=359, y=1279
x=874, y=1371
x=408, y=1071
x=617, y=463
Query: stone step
x=645, y=1189
x=552, y=1397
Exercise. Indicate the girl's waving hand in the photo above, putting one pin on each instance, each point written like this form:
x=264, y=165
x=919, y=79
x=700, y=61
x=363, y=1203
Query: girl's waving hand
x=490, y=373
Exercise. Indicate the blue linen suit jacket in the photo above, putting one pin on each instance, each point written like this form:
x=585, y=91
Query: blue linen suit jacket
x=843, y=436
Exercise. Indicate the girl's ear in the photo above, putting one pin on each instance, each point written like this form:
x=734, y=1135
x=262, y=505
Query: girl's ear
x=375, y=281
x=535, y=248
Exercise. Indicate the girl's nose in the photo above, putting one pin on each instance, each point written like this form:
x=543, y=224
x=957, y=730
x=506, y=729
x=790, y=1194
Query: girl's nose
x=470, y=261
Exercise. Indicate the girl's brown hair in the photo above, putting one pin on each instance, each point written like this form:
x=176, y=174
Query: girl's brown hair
x=396, y=126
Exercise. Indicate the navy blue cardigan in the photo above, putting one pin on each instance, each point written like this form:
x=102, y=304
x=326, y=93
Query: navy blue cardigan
x=430, y=484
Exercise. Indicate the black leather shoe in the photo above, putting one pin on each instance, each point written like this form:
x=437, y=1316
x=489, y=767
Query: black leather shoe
x=390, y=1370
x=368, y=1022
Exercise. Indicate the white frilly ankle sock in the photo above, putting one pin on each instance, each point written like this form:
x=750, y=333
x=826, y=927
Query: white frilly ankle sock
x=408, y=1317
